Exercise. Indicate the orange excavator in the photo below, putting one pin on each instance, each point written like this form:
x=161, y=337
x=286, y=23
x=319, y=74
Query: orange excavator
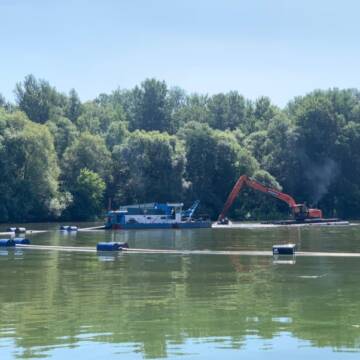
x=300, y=212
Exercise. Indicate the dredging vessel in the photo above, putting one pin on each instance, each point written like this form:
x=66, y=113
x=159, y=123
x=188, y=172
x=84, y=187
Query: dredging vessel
x=155, y=216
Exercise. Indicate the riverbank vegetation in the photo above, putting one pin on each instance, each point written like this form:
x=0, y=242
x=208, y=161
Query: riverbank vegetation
x=61, y=158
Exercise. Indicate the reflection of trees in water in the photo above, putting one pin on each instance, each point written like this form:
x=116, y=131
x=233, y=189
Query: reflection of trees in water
x=53, y=298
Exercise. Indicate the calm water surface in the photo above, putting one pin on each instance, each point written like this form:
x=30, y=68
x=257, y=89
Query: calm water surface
x=132, y=306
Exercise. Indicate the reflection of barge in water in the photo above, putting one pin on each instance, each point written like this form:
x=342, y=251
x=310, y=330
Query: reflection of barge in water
x=155, y=216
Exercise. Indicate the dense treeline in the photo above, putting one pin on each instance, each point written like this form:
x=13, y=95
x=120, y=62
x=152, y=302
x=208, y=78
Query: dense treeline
x=61, y=158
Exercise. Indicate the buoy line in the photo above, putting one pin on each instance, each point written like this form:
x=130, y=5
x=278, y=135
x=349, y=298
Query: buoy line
x=186, y=252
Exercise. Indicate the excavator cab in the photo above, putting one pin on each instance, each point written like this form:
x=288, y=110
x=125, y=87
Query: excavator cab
x=300, y=212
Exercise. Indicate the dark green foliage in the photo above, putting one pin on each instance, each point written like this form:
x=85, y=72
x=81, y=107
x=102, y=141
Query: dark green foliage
x=154, y=143
x=346, y=199
x=5, y=104
x=264, y=111
x=37, y=98
x=151, y=107
x=64, y=133
x=97, y=118
x=74, y=107
x=116, y=134
x=28, y=168
x=88, y=151
x=214, y=162
x=227, y=111
x=148, y=167
x=2, y=101
x=88, y=194
x=194, y=109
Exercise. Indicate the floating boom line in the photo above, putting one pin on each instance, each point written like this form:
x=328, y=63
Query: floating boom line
x=187, y=252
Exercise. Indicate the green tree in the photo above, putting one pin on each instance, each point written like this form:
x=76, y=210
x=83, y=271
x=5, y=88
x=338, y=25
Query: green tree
x=227, y=111
x=2, y=101
x=214, y=161
x=317, y=128
x=29, y=170
x=279, y=154
x=116, y=134
x=88, y=195
x=346, y=191
x=151, y=110
x=87, y=151
x=257, y=143
x=64, y=133
x=148, y=167
x=96, y=118
x=6, y=105
x=74, y=107
x=195, y=108
x=264, y=112
x=37, y=98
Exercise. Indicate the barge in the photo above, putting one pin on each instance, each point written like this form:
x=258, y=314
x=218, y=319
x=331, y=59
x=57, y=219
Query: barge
x=322, y=221
x=155, y=216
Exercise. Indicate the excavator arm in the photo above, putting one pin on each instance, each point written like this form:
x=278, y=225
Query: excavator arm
x=300, y=211
x=232, y=196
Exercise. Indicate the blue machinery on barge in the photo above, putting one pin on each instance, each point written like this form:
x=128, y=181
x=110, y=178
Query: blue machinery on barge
x=155, y=216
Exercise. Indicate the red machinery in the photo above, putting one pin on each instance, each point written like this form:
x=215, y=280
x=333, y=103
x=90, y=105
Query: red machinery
x=300, y=212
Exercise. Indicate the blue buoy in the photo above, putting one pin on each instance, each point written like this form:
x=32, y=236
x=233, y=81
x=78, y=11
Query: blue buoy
x=7, y=243
x=21, y=241
x=286, y=249
x=111, y=246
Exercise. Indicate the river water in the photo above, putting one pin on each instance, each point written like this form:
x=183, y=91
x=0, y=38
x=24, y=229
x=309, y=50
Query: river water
x=65, y=305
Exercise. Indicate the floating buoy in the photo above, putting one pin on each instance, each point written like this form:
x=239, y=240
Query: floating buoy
x=111, y=246
x=68, y=228
x=286, y=249
x=7, y=243
x=21, y=241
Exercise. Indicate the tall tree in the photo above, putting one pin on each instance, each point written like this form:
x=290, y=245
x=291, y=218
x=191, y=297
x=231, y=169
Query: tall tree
x=74, y=107
x=148, y=167
x=88, y=151
x=64, y=133
x=37, y=98
x=97, y=118
x=214, y=162
x=29, y=170
x=195, y=108
x=151, y=107
x=116, y=134
x=88, y=194
x=227, y=111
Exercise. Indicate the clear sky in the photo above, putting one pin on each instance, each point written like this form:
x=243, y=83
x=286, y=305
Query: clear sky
x=276, y=48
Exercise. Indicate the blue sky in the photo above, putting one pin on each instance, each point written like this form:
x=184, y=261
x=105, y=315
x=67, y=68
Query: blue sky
x=276, y=48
